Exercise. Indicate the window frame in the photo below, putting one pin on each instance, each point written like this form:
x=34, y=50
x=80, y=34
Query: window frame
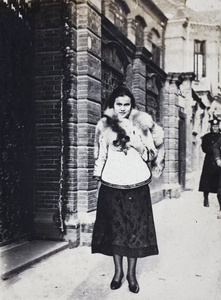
x=199, y=59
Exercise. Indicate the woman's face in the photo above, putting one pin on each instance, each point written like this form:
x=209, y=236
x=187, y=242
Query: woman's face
x=122, y=106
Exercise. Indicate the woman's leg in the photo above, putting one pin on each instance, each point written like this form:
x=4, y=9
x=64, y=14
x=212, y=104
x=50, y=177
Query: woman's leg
x=131, y=275
x=206, y=199
x=119, y=274
x=219, y=200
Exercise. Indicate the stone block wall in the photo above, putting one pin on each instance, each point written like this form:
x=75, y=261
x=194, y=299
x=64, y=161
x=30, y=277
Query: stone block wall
x=171, y=133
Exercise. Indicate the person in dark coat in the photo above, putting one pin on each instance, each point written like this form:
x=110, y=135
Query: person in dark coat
x=217, y=155
x=209, y=180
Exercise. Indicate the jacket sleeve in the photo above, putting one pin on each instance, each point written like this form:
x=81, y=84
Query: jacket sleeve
x=207, y=146
x=216, y=149
x=150, y=145
x=100, y=151
x=158, y=163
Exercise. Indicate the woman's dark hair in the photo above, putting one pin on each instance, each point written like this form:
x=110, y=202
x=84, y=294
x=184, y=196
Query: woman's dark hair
x=121, y=90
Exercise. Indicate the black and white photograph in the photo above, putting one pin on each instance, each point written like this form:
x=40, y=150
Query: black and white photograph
x=110, y=149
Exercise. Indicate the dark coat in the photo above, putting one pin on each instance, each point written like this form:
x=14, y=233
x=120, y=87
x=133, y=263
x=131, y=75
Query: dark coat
x=217, y=155
x=209, y=180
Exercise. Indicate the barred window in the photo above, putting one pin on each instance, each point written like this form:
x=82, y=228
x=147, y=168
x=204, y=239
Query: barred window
x=111, y=78
x=114, y=64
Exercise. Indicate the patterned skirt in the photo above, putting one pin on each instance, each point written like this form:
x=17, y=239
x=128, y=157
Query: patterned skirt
x=124, y=223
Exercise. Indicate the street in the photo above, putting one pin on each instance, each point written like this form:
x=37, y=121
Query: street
x=188, y=266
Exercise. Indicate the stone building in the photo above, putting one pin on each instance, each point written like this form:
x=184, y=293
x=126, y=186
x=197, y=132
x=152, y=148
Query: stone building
x=193, y=45
x=72, y=55
x=83, y=50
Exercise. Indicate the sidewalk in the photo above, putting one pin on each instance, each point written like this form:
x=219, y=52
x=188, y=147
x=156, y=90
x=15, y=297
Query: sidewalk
x=187, y=268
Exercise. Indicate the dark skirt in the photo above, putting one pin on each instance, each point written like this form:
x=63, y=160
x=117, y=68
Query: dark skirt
x=124, y=223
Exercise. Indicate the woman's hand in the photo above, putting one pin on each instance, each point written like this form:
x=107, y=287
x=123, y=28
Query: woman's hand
x=98, y=188
x=136, y=142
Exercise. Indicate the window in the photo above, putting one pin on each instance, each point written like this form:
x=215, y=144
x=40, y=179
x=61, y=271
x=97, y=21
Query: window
x=111, y=78
x=140, y=25
x=114, y=65
x=156, y=54
x=199, y=59
x=118, y=11
x=155, y=40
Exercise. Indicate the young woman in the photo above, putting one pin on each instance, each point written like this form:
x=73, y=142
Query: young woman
x=125, y=141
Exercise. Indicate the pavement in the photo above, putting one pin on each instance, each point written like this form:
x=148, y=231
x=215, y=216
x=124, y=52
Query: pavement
x=188, y=266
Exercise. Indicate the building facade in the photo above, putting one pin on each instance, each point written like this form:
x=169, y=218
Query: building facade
x=192, y=44
x=77, y=52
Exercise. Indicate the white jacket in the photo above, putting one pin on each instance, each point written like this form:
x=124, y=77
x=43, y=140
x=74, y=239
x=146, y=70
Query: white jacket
x=125, y=166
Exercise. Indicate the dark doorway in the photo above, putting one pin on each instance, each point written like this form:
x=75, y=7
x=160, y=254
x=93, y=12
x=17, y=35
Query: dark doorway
x=16, y=127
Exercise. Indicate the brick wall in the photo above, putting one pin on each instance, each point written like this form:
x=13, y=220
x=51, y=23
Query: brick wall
x=56, y=118
x=67, y=98
x=48, y=59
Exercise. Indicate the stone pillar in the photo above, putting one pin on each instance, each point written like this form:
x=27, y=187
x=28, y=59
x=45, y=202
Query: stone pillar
x=88, y=108
x=186, y=90
x=139, y=83
x=171, y=132
x=70, y=118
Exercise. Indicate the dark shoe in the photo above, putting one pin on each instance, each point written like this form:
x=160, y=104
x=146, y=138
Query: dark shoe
x=206, y=202
x=133, y=286
x=116, y=284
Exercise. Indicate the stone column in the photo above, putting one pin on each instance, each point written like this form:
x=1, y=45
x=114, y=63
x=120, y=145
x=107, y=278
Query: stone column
x=186, y=90
x=139, y=83
x=88, y=108
x=69, y=124
x=171, y=131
